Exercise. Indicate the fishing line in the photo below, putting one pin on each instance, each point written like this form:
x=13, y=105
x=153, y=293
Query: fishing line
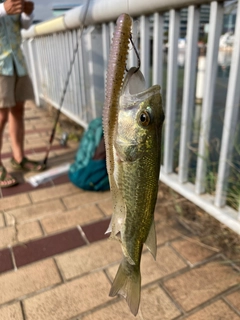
x=66, y=83
x=137, y=54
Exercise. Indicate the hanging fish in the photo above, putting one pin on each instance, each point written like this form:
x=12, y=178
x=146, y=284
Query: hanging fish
x=133, y=157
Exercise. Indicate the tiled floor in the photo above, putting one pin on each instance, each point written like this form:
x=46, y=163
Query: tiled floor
x=56, y=261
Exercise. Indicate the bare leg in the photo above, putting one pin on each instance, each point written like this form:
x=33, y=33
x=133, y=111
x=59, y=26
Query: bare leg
x=16, y=130
x=3, y=121
x=17, y=133
x=6, y=180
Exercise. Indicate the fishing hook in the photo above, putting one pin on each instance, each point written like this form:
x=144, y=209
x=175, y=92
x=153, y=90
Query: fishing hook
x=137, y=54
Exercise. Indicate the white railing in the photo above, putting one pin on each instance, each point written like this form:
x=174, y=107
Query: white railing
x=49, y=48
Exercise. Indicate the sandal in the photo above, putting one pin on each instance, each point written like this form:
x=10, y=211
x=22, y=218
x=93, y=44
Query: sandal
x=6, y=180
x=28, y=165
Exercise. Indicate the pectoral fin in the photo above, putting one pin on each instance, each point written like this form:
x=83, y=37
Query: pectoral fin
x=119, y=214
x=151, y=241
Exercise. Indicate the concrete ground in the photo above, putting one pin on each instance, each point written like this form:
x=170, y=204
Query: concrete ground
x=57, y=263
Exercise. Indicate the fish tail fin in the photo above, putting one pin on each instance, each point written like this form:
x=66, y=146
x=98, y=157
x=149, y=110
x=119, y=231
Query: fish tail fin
x=128, y=284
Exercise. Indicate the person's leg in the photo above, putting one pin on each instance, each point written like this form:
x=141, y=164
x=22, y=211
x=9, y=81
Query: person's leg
x=17, y=133
x=6, y=179
x=16, y=130
x=23, y=91
x=3, y=121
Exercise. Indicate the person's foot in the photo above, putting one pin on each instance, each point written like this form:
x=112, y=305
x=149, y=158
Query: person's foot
x=6, y=180
x=28, y=165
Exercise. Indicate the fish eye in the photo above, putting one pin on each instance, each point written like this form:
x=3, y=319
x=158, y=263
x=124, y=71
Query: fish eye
x=144, y=118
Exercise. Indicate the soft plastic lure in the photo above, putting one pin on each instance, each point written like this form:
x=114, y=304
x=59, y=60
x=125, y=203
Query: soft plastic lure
x=115, y=72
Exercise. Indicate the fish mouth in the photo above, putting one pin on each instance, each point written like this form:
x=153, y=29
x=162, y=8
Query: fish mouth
x=134, y=88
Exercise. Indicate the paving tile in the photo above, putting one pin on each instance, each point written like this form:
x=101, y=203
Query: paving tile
x=234, y=299
x=7, y=236
x=2, y=223
x=40, y=143
x=14, y=202
x=70, y=299
x=48, y=125
x=115, y=311
x=69, y=219
x=29, y=118
x=20, y=189
x=15, y=284
x=37, y=142
x=29, y=231
x=89, y=258
x=29, y=126
x=35, y=211
x=165, y=233
x=84, y=198
x=6, y=148
x=47, y=247
x=96, y=231
x=53, y=192
x=192, y=251
x=41, y=131
x=53, y=147
x=11, y=312
x=216, y=311
x=200, y=284
x=32, y=135
x=62, y=156
x=155, y=304
x=166, y=263
x=6, y=263
x=106, y=206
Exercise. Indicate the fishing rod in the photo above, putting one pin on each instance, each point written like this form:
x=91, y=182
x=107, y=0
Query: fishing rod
x=65, y=87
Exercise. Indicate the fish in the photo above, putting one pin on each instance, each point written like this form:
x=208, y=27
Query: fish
x=137, y=155
x=132, y=122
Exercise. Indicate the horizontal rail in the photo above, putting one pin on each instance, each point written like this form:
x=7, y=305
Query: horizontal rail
x=102, y=11
x=226, y=215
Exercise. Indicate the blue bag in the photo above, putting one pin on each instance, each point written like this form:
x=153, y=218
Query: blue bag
x=89, y=171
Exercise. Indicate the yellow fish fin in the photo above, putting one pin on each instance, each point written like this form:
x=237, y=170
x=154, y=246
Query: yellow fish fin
x=128, y=284
x=119, y=214
x=151, y=242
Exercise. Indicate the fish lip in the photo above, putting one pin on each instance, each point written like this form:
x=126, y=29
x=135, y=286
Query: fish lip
x=128, y=99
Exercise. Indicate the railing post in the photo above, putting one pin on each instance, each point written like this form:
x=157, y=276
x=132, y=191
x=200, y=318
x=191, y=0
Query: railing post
x=132, y=58
x=80, y=59
x=230, y=119
x=216, y=18
x=172, y=75
x=106, y=47
x=189, y=91
x=96, y=74
x=30, y=43
x=157, y=49
x=144, y=47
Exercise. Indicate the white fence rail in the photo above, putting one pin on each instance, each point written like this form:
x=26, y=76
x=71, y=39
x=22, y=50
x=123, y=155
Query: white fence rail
x=49, y=48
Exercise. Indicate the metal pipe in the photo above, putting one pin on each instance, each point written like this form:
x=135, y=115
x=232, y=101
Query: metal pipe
x=102, y=11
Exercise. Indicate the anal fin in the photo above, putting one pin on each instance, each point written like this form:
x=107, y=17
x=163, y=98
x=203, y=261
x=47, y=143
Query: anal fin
x=151, y=242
